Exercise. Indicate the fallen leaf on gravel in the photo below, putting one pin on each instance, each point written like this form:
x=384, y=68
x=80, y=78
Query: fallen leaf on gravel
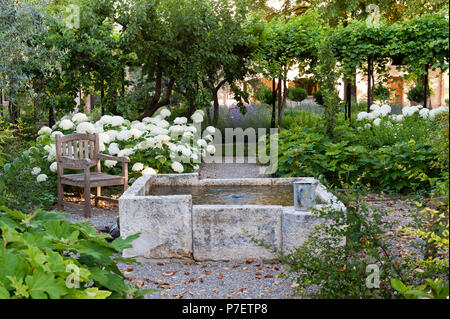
x=249, y=260
x=188, y=263
x=131, y=279
x=201, y=276
x=179, y=296
x=186, y=282
x=276, y=268
x=160, y=263
x=129, y=269
x=268, y=276
x=242, y=289
x=258, y=265
x=257, y=273
x=229, y=296
x=192, y=280
x=244, y=268
x=220, y=276
x=208, y=272
x=277, y=283
x=168, y=273
x=187, y=273
x=294, y=285
x=269, y=290
x=235, y=266
x=260, y=277
x=204, y=266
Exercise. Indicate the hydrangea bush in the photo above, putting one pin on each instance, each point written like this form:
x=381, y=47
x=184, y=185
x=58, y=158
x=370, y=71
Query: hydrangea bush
x=154, y=145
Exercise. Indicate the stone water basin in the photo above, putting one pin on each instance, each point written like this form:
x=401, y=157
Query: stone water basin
x=183, y=216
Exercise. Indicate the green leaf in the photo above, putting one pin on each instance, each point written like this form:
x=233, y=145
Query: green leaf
x=43, y=285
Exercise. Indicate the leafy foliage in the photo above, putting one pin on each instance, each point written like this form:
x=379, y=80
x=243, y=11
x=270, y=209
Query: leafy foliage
x=43, y=256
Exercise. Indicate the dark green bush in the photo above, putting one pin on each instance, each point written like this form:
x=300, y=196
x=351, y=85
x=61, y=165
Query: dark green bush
x=381, y=93
x=264, y=95
x=415, y=94
x=318, y=96
x=297, y=94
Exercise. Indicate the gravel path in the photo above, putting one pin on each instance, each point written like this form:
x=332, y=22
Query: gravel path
x=231, y=169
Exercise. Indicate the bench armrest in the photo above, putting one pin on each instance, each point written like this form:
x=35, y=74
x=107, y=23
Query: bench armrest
x=113, y=158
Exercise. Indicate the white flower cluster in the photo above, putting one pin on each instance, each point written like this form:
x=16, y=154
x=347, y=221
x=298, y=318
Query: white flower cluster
x=379, y=112
x=176, y=145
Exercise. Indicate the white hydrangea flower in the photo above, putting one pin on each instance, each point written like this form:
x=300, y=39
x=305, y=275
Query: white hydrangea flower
x=367, y=125
x=35, y=170
x=54, y=167
x=164, y=113
x=110, y=164
x=208, y=137
x=125, y=152
x=196, y=167
x=211, y=129
x=66, y=124
x=124, y=135
x=177, y=167
x=377, y=122
x=135, y=133
x=424, y=113
x=180, y=120
x=192, y=129
x=148, y=171
x=112, y=135
x=117, y=121
x=211, y=149
x=159, y=131
x=163, y=124
x=163, y=138
x=113, y=149
x=86, y=128
x=106, y=120
x=56, y=133
x=437, y=111
x=362, y=116
x=202, y=143
x=409, y=110
x=137, y=167
x=79, y=118
x=197, y=117
x=45, y=130
x=41, y=178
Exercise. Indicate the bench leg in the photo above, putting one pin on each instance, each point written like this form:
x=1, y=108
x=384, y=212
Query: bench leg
x=98, y=193
x=87, y=202
x=59, y=205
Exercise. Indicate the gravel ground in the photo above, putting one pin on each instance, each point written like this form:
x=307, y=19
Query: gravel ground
x=223, y=280
x=230, y=170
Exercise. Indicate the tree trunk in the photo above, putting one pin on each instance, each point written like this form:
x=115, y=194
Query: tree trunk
x=425, y=88
x=370, y=82
x=274, y=97
x=102, y=96
x=216, y=101
x=156, y=102
x=51, y=116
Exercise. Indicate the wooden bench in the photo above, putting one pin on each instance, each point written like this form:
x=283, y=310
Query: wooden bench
x=81, y=152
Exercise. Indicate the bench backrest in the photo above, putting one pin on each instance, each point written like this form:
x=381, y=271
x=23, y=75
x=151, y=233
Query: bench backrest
x=77, y=146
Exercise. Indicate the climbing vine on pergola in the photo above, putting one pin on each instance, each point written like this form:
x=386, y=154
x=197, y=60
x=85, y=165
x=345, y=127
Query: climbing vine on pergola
x=420, y=44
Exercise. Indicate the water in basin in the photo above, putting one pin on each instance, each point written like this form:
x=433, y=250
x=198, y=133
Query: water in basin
x=231, y=195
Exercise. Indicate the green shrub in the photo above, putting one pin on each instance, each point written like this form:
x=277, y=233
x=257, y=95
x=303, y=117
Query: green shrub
x=293, y=118
x=381, y=93
x=318, y=97
x=264, y=95
x=297, y=94
x=415, y=94
x=400, y=165
x=43, y=256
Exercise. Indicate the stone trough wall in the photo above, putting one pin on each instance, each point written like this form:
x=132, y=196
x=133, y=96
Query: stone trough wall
x=171, y=227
